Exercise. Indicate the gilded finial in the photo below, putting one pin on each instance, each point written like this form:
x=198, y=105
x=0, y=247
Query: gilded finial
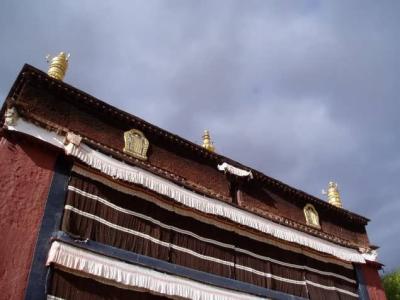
x=333, y=194
x=58, y=65
x=207, y=143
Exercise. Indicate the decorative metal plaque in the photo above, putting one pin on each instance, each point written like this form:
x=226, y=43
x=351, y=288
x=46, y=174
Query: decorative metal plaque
x=311, y=215
x=136, y=144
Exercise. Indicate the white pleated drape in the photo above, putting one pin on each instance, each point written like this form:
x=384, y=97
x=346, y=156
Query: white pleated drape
x=116, y=272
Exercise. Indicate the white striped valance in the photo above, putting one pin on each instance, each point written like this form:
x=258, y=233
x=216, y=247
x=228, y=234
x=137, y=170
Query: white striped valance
x=220, y=261
x=120, y=170
x=186, y=232
x=116, y=272
x=131, y=190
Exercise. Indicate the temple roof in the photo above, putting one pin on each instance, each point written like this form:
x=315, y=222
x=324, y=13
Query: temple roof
x=99, y=107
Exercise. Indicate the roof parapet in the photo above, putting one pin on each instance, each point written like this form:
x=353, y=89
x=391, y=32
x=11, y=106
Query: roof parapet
x=30, y=73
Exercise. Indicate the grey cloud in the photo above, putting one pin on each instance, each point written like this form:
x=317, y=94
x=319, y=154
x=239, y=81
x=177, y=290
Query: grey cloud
x=305, y=91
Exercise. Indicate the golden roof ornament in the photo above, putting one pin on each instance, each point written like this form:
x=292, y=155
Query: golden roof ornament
x=333, y=194
x=207, y=143
x=58, y=65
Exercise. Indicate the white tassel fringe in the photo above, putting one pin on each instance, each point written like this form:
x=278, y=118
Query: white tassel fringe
x=115, y=272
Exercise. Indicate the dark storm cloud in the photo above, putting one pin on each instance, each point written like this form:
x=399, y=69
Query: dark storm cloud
x=304, y=91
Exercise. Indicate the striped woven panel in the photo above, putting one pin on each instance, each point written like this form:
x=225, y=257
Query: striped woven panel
x=98, y=212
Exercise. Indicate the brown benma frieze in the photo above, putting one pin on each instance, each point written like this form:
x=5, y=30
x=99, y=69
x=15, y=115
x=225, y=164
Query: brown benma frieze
x=46, y=100
x=340, y=239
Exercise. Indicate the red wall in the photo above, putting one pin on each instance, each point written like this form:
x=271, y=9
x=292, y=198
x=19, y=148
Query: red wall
x=26, y=170
x=373, y=281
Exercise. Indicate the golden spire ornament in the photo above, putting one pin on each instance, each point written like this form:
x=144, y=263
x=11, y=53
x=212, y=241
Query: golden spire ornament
x=333, y=194
x=58, y=65
x=207, y=143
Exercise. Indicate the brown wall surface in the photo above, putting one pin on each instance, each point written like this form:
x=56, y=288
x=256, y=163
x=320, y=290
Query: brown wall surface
x=25, y=175
x=267, y=199
x=55, y=108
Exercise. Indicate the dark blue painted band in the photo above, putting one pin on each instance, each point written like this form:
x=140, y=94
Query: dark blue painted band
x=36, y=288
x=362, y=287
x=167, y=267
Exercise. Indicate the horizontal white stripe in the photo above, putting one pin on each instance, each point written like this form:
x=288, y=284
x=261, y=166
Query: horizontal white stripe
x=332, y=288
x=214, y=259
x=117, y=227
x=188, y=251
x=147, y=237
x=229, y=246
x=120, y=170
x=295, y=266
x=299, y=282
x=51, y=297
x=269, y=275
x=133, y=276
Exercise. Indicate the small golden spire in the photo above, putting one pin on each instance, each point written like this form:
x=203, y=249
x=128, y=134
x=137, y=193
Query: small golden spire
x=333, y=194
x=58, y=65
x=207, y=143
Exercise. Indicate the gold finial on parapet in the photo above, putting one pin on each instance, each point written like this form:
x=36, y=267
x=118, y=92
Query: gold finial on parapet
x=333, y=194
x=58, y=65
x=207, y=143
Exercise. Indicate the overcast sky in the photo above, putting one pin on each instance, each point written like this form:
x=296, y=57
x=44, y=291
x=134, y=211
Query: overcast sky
x=304, y=91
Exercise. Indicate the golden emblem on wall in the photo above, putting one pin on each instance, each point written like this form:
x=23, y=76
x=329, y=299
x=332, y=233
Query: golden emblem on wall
x=136, y=144
x=311, y=215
